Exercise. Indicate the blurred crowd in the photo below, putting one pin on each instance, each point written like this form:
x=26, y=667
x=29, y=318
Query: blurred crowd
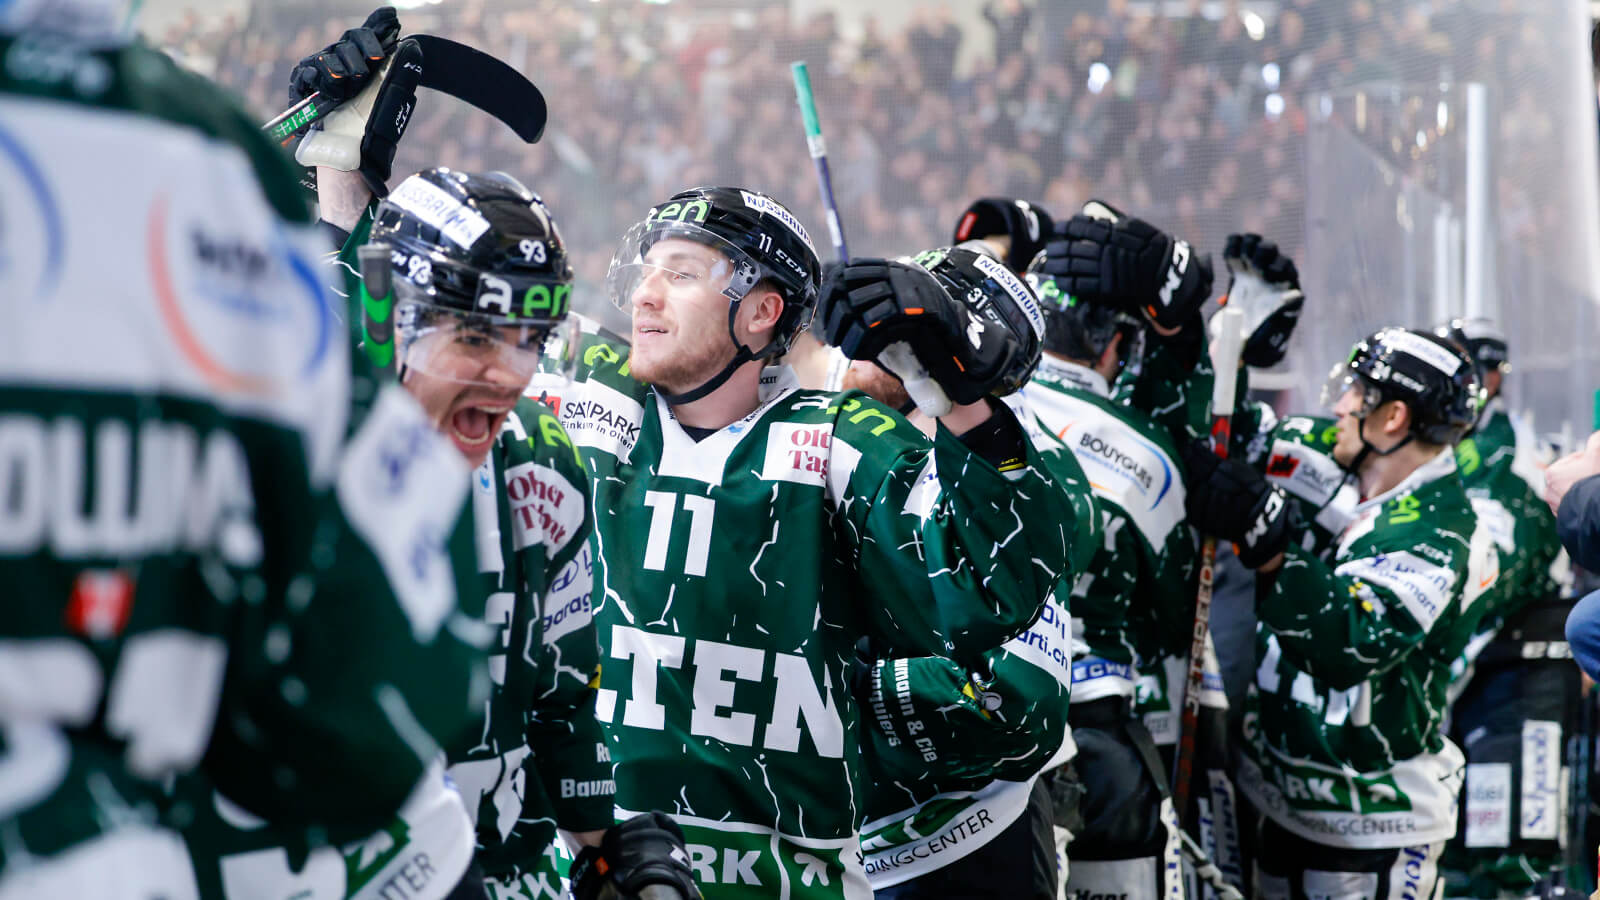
x=1193, y=120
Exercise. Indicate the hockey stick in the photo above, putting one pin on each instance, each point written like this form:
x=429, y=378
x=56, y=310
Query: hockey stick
x=285, y=126
x=897, y=357
x=449, y=67
x=1227, y=342
x=819, y=156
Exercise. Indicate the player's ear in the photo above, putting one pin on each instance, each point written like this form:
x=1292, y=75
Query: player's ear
x=766, y=307
x=1397, y=420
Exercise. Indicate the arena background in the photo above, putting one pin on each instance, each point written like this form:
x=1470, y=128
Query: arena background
x=1418, y=159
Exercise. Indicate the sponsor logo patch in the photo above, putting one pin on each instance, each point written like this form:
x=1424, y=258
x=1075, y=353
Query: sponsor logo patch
x=1304, y=472
x=1541, y=780
x=763, y=203
x=208, y=281
x=1488, y=805
x=1013, y=286
x=602, y=418
x=798, y=453
x=1425, y=350
x=567, y=602
x=1422, y=587
x=100, y=603
x=545, y=507
x=459, y=223
x=1282, y=465
x=33, y=245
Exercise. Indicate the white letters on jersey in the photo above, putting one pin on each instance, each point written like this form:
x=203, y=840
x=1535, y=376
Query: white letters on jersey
x=799, y=703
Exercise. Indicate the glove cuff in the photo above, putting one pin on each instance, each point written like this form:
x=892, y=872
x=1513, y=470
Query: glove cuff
x=1269, y=534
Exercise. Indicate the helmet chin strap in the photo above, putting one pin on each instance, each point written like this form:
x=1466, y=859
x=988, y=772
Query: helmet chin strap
x=741, y=355
x=1368, y=449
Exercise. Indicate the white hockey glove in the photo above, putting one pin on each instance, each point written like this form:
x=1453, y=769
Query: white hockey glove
x=1266, y=286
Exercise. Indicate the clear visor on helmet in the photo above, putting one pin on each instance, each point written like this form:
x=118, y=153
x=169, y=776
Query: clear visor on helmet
x=473, y=349
x=1342, y=380
x=662, y=256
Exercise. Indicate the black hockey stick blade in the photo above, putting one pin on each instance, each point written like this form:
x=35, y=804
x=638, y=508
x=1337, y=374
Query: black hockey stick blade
x=468, y=74
x=453, y=68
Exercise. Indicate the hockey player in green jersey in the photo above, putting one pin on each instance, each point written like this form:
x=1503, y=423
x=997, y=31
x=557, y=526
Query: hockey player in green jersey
x=459, y=283
x=1103, y=257
x=749, y=533
x=1132, y=606
x=954, y=807
x=214, y=563
x=1494, y=439
x=1514, y=685
x=1345, y=757
x=471, y=321
x=1504, y=484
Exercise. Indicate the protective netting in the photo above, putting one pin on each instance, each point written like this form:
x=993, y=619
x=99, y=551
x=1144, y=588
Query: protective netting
x=1456, y=175
x=1317, y=123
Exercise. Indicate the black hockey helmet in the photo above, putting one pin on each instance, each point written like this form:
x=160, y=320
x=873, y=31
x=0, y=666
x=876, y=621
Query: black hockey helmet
x=1078, y=329
x=472, y=254
x=993, y=292
x=1482, y=339
x=1027, y=225
x=1434, y=378
x=479, y=244
x=759, y=239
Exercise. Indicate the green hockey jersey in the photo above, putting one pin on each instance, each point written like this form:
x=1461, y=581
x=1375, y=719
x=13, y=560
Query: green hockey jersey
x=1342, y=724
x=951, y=753
x=1170, y=381
x=1523, y=527
x=215, y=565
x=735, y=576
x=1133, y=606
x=1493, y=443
x=1299, y=459
x=540, y=758
x=534, y=759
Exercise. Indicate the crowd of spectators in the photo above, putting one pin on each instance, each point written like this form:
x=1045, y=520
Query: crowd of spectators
x=1194, y=121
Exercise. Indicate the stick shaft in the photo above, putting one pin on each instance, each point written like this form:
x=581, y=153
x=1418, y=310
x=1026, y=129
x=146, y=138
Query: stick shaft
x=1226, y=345
x=819, y=157
x=285, y=125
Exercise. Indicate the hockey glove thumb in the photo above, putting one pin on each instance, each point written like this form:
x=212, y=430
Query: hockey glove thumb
x=640, y=859
x=363, y=134
x=1265, y=284
x=1232, y=501
x=340, y=70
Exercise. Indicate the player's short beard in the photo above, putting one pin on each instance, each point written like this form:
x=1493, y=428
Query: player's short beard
x=693, y=364
x=877, y=384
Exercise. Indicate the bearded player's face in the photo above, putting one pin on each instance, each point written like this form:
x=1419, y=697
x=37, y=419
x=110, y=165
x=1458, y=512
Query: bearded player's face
x=680, y=318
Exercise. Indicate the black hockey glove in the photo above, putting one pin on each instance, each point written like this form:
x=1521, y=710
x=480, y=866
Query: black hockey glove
x=640, y=859
x=868, y=304
x=363, y=134
x=1265, y=284
x=340, y=70
x=1232, y=501
x=1132, y=264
